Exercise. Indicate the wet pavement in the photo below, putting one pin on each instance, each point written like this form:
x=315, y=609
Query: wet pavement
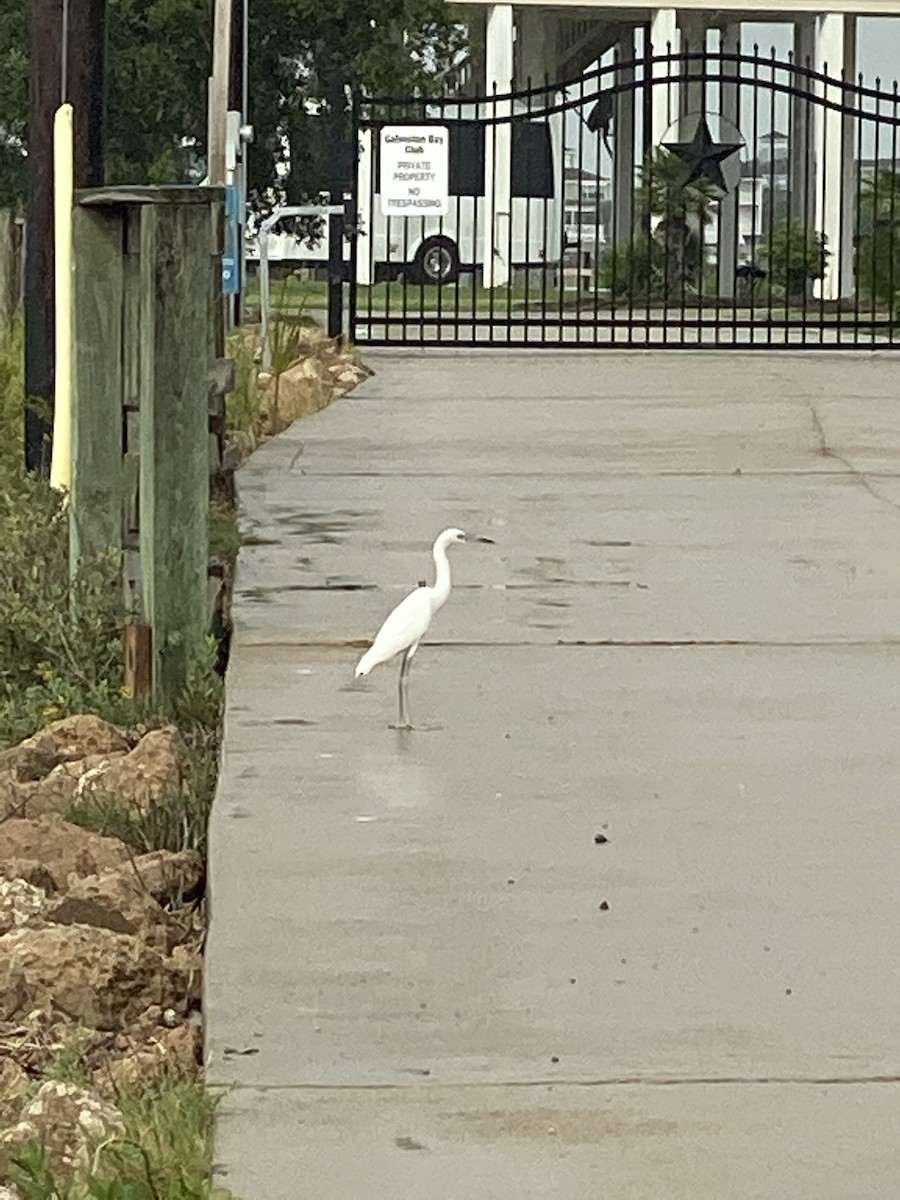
x=623, y=924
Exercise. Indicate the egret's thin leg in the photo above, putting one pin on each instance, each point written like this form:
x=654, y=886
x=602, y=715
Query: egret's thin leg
x=404, y=722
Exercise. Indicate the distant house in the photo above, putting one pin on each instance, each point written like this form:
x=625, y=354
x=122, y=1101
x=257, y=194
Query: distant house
x=587, y=206
x=772, y=151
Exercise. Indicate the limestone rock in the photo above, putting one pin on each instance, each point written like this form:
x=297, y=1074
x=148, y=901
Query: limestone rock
x=93, y=976
x=67, y=1121
x=170, y=876
x=67, y=740
x=14, y=796
x=56, y=791
x=32, y=871
x=186, y=964
x=177, y=1051
x=61, y=848
x=154, y=768
x=119, y=901
x=13, y=1080
x=30, y=760
x=52, y=794
x=182, y=1048
x=80, y=737
x=20, y=904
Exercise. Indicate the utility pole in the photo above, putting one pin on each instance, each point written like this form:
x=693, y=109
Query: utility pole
x=237, y=55
x=218, y=91
x=237, y=103
x=79, y=76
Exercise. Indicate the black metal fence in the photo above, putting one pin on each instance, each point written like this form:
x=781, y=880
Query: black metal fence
x=698, y=199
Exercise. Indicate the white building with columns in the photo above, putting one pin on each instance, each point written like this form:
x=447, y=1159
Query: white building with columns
x=533, y=40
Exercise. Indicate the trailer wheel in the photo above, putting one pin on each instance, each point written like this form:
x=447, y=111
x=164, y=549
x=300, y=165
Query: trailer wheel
x=436, y=261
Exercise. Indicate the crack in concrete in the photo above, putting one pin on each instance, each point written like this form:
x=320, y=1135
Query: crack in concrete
x=595, y=643
x=827, y=451
x=785, y=473
x=630, y=1081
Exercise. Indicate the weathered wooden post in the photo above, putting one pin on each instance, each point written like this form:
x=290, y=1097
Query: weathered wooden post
x=95, y=524
x=147, y=295
x=10, y=264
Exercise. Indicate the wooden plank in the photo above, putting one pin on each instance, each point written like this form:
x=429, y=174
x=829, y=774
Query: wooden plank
x=97, y=483
x=131, y=382
x=174, y=469
x=176, y=195
x=138, y=643
x=10, y=255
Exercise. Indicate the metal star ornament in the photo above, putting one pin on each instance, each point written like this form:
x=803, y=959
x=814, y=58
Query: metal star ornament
x=703, y=156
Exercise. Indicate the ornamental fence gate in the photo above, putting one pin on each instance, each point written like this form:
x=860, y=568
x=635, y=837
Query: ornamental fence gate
x=707, y=199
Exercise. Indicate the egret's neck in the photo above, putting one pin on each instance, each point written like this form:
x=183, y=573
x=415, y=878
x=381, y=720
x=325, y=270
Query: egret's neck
x=441, y=589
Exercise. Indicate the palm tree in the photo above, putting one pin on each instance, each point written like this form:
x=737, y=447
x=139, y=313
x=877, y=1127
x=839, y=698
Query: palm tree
x=683, y=210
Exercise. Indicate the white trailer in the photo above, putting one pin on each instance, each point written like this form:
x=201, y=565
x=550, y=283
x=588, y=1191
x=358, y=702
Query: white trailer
x=515, y=167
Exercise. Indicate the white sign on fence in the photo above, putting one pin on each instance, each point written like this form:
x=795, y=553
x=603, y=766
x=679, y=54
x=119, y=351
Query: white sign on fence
x=415, y=171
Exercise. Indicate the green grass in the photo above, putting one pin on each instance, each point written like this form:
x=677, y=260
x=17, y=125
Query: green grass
x=61, y=641
x=294, y=294
x=165, y=1153
x=176, y=821
x=224, y=534
x=12, y=387
x=67, y=1064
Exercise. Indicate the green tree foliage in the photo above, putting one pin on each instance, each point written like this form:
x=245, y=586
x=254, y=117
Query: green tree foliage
x=878, y=251
x=13, y=99
x=159, y=60
x=303, y=54
x=668, y=262
x=795, y=256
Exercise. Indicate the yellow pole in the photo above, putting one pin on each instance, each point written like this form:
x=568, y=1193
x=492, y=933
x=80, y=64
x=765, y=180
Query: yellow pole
x=63, y=195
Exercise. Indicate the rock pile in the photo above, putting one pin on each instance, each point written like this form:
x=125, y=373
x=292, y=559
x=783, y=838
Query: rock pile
x=319, y=371
x=100, y=946
x=84, y=756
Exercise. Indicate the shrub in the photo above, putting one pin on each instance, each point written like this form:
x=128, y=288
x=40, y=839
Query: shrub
x=794, y=256
x=60, y=641
x=635, y=269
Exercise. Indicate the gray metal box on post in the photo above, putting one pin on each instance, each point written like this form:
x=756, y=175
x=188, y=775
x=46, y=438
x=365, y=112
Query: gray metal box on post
x=147, y=303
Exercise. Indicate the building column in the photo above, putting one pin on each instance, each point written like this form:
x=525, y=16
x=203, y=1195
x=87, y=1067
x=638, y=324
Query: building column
x=835, y=54
x=729, y=211
x=663, y=40
x=473, y=84
x=533, y=48
x=365, y=240
x=802, y=194
x=848, y=165
x=499, y=50
x=623, y=134
x=692, y=38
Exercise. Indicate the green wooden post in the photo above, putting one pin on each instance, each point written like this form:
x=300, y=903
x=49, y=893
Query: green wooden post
x=95, y=525
x=147, y=295
x=177, y=259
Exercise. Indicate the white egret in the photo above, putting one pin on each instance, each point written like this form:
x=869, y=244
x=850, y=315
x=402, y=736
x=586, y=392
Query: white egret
x=405, y=627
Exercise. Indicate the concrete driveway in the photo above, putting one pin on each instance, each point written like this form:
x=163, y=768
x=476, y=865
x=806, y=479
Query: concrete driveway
x=425, y=976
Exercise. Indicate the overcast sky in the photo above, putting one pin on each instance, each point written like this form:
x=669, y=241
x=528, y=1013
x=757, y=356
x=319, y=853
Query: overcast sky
x=878, y=44
x=878, y=54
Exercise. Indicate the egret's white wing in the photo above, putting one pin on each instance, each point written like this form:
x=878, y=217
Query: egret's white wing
x=402, y=628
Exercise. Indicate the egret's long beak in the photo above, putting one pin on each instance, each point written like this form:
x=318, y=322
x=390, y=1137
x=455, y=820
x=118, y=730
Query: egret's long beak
x=485, y=541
